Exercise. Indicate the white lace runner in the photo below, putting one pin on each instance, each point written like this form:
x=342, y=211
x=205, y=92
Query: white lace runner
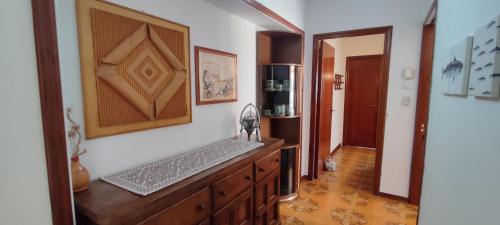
x=154, y=176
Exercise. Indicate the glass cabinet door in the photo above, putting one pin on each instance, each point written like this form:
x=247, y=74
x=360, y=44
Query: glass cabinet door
x=279, y=90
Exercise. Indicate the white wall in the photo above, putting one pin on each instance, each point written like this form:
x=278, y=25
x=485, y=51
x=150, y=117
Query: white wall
x=24, y=194
x=461, y=177
x=407, y=17
x=210, y=27
x=345, y=47
x=291, y=10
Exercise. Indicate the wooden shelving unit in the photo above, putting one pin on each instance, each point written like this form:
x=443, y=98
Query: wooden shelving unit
x=278, y=49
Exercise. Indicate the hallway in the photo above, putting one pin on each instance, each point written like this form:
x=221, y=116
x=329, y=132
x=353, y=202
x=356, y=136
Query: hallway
x=345, y=196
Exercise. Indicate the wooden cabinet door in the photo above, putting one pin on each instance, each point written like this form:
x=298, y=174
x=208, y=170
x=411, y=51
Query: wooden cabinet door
x=237, y=212
x=266, y=201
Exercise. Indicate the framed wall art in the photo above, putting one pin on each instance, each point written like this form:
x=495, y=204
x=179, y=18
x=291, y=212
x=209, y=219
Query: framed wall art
x=216, y=79
x=457, y=70
x=134, y=67
x=485, y=69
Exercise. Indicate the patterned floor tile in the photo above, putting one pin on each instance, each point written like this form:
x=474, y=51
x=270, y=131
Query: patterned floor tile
x=348, y=217
x=355, y=198
x=315, y=188
x=345, y=196
x=394, y=223
x=401, y=209
x=302, y=204
x=290, y=220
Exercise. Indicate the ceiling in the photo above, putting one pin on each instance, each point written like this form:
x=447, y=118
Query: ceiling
x=248, y=12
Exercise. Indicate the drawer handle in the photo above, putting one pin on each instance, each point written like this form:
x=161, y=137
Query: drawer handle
x=248, y=178
x=222, y=193
x=201, y=207
x=262, y=170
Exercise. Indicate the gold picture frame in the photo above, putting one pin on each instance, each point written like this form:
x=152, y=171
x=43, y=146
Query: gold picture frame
x=216, y=76
x=135, y=69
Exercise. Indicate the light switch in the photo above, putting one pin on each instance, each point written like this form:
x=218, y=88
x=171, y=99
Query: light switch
x=406, y=100
x=408, y=74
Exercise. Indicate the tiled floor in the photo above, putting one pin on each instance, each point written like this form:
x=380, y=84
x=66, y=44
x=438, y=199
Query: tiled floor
x=345, y=197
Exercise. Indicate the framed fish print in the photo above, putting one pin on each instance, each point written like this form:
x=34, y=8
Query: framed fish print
x=457, y=70
x=485, y=70
x=216, y=80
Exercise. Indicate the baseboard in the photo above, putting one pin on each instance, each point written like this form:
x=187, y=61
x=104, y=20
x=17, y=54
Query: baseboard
x=336, y=149
x=391, y=196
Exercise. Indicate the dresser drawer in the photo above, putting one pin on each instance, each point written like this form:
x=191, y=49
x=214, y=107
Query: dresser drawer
x=192, y=210
x=228, y=188
x=237, y=212
x=267, y=165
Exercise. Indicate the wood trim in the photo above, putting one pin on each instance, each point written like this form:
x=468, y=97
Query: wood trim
x=431, y=15
x=314, y=116
x=336, y=149
x=257, y=5
x=197, y=50
x=316, y=88
x=422, y=114
x=44, y=25
x=383, y=90
x=353, y=33
x=391, y=196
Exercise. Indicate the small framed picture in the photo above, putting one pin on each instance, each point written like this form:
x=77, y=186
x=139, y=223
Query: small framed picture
x=216, y=80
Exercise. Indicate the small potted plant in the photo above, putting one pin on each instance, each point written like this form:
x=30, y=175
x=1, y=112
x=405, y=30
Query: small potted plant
x=79, y=174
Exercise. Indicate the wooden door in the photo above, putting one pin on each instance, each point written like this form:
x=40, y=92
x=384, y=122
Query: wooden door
x=326, y=106
x=361, y=100
x=266, y=200
x=237, y=212
x=422, y=113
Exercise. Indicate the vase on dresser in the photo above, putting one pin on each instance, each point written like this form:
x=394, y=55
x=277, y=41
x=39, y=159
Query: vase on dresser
x=79, y=174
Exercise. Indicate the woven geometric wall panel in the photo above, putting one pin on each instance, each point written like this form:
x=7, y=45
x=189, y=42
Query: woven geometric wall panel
x=135, y=69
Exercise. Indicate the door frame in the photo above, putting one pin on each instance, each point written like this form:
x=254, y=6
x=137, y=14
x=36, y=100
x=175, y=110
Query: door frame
x=346, y=102
x=49, y=82
x=54, y=132
x=424, y=89
x=330, y=111
x=382, y=96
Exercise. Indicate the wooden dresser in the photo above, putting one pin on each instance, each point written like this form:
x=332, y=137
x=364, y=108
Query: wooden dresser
x=241, y=191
